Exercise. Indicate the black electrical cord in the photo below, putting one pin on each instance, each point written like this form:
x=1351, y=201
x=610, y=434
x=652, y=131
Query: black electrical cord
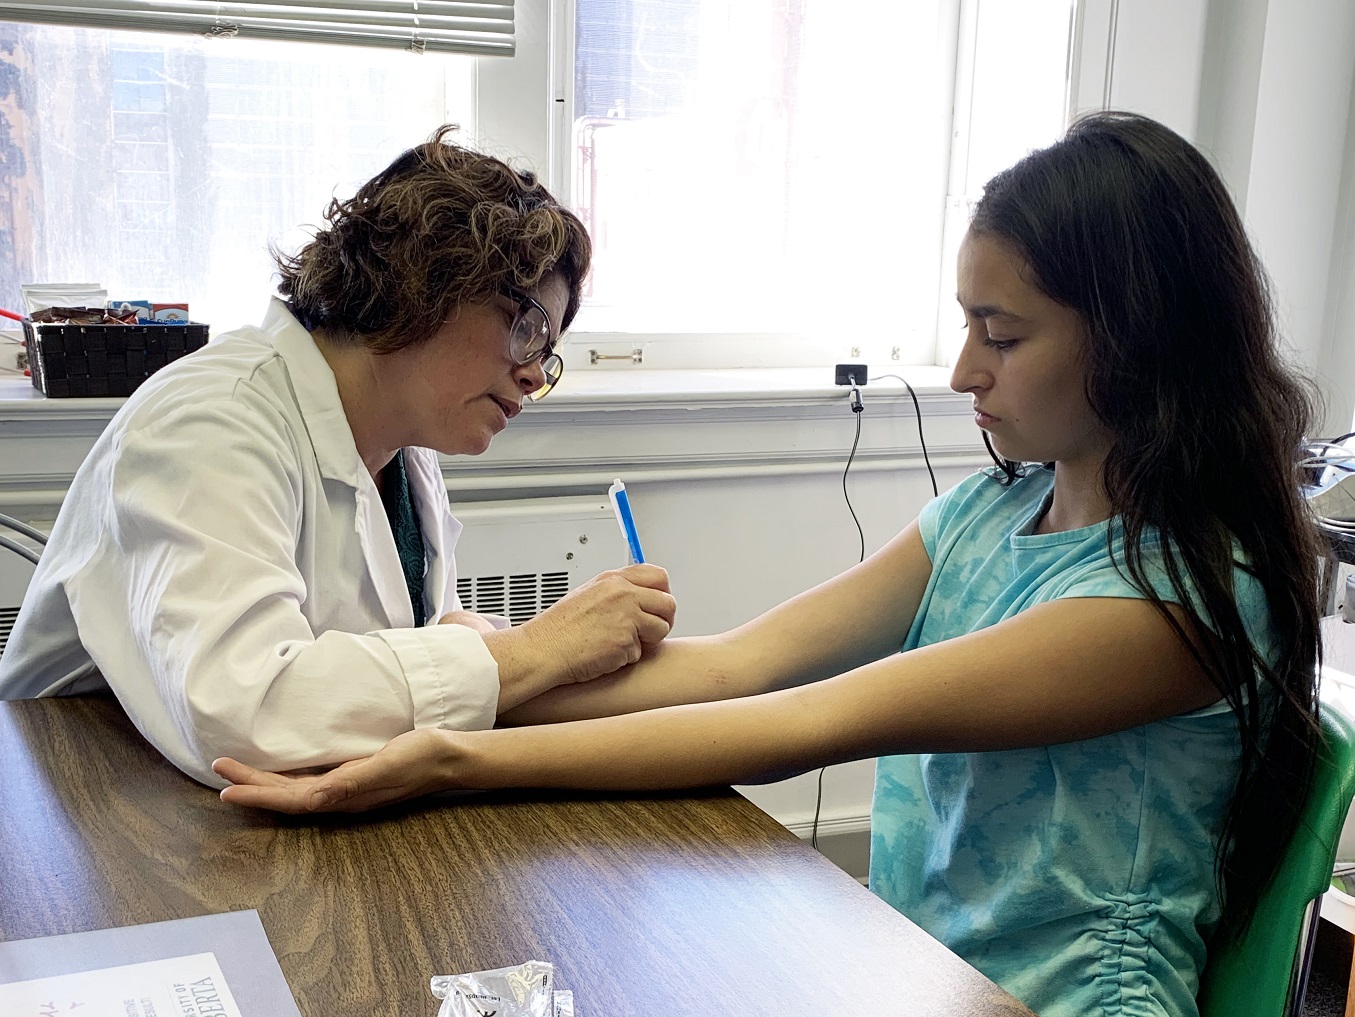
x=858, y=408
x=922, y=440
x=818, y=802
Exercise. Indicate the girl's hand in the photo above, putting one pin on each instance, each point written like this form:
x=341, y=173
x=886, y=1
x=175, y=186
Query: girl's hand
x=412, y=764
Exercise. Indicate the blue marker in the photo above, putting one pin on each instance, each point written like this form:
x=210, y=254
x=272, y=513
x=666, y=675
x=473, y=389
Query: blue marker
x=621, y=505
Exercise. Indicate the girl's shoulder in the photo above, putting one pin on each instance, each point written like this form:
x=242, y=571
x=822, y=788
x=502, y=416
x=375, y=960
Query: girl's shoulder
x=988, y=500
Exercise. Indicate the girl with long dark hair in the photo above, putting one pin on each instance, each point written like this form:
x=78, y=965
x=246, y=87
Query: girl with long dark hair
x=1096, y=737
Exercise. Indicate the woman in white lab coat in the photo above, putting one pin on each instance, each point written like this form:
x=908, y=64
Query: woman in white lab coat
x=257, y=551
x=1096, y=739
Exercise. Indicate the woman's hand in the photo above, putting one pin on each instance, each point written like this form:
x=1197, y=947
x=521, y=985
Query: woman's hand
x=595, y=629
x=415, y=763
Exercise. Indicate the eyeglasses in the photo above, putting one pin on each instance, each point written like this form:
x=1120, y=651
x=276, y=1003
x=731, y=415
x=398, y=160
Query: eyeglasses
x=530, y=340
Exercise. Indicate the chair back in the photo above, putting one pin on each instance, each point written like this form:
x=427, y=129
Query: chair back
x=1265, y=972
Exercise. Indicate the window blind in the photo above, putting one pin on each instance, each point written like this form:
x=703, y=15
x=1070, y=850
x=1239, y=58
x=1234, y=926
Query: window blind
x=483, y=28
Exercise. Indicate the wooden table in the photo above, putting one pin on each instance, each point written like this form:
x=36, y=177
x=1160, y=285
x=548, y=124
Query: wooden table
x=696, y=904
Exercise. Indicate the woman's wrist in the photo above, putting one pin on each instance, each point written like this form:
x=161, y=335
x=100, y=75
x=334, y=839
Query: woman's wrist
x=523, y=673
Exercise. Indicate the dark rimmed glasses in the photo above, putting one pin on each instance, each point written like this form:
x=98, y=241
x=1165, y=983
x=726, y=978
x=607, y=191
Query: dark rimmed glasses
x=530, y=340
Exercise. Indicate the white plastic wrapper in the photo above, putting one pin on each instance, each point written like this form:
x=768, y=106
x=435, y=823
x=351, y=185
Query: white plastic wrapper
x=526, y=990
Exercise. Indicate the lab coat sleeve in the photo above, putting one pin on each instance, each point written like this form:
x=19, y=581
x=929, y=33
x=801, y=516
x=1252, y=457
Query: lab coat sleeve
x=203, y=523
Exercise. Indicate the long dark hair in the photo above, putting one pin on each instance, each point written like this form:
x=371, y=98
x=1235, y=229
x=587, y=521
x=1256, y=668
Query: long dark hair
x=1128, y=224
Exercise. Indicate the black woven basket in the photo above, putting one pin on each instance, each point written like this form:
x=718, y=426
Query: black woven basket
x=104, y=360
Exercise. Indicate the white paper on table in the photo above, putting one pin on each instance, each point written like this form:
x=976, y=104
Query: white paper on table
x=174, y=987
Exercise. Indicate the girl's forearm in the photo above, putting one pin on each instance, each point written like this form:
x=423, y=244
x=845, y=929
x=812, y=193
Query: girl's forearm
x=751, y=740
x=698, y=669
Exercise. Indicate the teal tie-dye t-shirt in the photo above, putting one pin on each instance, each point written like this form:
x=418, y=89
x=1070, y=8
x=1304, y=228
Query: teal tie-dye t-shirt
x=1080, y=877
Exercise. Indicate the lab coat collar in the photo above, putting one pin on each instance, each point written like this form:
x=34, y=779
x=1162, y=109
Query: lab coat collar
x=336, y=453
x=317, y=394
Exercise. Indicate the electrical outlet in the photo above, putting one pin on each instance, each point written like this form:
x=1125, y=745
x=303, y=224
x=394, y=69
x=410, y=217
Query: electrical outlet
x=844, y=373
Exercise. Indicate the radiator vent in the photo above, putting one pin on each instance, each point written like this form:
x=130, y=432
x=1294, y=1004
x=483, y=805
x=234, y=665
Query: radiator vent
x=520, y=598
x=8, y=615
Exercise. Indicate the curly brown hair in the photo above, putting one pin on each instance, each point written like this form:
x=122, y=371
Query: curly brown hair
x=441, y=227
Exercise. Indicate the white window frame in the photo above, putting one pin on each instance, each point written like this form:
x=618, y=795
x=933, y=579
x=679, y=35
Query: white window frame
x=526, y=110
x=706, y=350
x=960, y=200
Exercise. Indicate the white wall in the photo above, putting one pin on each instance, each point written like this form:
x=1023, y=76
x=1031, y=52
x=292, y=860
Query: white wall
x=1336, y=358
x=1265, y=88
x=738, y=494
x=1299, y=168
x=1141, y=55
x=737, y=547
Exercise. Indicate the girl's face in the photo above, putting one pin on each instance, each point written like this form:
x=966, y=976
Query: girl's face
x=1022, y=361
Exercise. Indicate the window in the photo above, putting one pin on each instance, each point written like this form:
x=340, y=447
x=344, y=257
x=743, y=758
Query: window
x=765, y=166
x=766, y=181
x=164, y=165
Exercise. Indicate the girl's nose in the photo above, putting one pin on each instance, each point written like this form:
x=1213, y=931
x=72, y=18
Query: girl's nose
x=968, y=373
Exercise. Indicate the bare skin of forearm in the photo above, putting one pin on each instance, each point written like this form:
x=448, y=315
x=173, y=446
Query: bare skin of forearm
x=1120, y=666
x=759, y=739
x=851, y=620
x=675, y=672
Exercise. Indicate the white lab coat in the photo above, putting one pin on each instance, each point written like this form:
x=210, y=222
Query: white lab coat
x=224, y=560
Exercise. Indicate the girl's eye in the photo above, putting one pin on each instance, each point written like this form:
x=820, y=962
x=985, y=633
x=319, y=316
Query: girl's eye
x=1001, y=345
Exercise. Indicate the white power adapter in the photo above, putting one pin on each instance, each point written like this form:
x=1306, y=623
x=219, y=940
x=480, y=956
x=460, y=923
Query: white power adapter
x=13, y=356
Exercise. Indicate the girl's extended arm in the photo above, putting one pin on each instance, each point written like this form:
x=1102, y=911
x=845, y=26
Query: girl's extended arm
x=1057, y=672
x=850, y=620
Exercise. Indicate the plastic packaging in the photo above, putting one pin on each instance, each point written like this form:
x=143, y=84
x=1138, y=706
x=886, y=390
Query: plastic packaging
x=526, y=990
x=36, y=296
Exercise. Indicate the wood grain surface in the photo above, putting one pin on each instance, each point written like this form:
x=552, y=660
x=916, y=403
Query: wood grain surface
x=692, y=904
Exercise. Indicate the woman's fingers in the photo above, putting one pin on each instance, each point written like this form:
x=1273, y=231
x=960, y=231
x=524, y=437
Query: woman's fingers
x=238, y=773
x=658, y=604
x=652, y=629
x=405, y=766
x=259, y=789
x=653, y=576
x=275, y=798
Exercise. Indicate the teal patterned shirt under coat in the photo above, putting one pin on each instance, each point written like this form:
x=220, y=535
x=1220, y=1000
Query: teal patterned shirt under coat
x=1080, y=877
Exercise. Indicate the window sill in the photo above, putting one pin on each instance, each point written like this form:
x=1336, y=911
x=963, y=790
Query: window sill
x=630, y=387
x=611, y=388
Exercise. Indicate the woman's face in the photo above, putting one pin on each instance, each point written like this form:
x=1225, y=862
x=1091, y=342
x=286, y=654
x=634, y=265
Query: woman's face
x=461, y=387
x=1022, y=361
